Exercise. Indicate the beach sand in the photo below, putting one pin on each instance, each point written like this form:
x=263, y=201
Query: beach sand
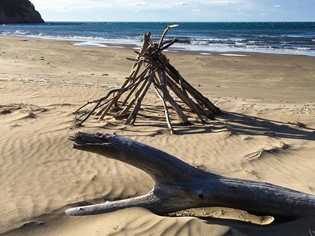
x=267, y=133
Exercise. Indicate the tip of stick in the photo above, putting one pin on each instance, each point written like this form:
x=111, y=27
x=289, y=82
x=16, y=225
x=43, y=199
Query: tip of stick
x=173, y=26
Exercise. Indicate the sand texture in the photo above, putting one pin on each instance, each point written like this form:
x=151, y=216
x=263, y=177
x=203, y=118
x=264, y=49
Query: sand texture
x=267, y=133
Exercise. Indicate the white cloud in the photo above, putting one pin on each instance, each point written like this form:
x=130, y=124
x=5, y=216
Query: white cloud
x=191, y=10
x=79, y=4
x=101, y=10
x=145, y=5
x=137, y=4
x=214, y=2
x=181, y=4
x=68, y=5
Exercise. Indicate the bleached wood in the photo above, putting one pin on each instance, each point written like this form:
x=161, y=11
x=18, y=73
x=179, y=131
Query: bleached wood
x=167, y=115
x=133, y=76
x=133, y=115
x=165, y=32
x=132, y=102
x=179, y=186
x=168, y=98
x=195, y=93
x=140, y=77
x=152, y=60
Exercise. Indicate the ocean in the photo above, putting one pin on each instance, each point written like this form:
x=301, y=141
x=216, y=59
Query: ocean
x=296, y=38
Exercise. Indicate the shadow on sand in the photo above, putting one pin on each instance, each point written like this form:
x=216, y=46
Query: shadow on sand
x=234, y=123
x=250, y=125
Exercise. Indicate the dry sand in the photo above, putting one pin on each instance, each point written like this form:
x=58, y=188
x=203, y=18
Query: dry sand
x=267, y=134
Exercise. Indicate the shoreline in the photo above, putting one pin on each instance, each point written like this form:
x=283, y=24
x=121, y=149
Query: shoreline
x=177, y=47
x=136, y=46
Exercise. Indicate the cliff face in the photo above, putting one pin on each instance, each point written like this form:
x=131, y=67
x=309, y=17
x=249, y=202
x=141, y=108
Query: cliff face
x=18, y=11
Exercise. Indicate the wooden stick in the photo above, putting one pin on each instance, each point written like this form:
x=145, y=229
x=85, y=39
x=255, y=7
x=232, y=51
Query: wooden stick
x=141, y=76
x=133, y=115
x=100, y=102
x=119, y=92
x=192, y=105
x=186, y=99
x=200, y=99
x=138, y=63
x=195, y=93
x=136, y=66
x=130, y=80
x=168, y=44
x=164, y=34
x=130, y=104
x=107, y=109
x=144, y=47
x=167, y=115
x=169, y=98
x=178, y=92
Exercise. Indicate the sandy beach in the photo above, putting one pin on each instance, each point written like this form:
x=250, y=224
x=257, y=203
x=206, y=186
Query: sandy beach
x=266, y=133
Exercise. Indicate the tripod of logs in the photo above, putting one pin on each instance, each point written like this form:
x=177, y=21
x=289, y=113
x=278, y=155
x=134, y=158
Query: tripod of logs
x=151, y=67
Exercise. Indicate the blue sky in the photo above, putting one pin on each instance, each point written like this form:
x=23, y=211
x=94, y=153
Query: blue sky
x=177, y=10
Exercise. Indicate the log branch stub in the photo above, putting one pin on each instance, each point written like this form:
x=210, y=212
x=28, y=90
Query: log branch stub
x=180, y=186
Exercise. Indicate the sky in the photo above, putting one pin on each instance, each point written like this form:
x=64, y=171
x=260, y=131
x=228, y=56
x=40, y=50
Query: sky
x=176, y=10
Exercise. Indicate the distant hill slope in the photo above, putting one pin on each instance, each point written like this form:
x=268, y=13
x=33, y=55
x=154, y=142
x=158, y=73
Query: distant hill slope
x=18, y=11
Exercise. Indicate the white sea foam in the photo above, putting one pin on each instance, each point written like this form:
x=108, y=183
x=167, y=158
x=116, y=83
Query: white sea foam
x=239, y=44
x=21, y=32
x=233, y=55
x=192, y=39
x=90, y=44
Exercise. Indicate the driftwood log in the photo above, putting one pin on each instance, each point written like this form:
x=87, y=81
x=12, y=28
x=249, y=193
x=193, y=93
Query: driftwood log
x=180, y=186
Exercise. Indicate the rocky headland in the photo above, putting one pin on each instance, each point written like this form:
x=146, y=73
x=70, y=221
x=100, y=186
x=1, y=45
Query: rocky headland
x=18, y=11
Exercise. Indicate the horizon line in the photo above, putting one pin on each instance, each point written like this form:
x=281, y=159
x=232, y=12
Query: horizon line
x=132, y=21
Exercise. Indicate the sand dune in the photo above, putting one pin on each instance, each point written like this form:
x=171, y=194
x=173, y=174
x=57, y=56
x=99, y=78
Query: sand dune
x=266, y=133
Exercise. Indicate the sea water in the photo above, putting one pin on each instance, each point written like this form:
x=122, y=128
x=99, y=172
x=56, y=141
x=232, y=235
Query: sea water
x=296, y=38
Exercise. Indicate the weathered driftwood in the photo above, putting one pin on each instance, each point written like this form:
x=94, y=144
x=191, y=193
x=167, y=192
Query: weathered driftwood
x=151, y=67
x=179, y=185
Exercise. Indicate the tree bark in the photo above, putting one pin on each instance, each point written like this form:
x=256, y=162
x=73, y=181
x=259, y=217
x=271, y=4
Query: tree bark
x=180, y=186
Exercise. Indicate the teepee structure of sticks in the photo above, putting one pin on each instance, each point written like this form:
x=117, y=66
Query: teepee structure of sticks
x=151, y=68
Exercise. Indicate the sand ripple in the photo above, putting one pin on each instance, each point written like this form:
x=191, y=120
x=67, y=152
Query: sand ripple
x=41, y=174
